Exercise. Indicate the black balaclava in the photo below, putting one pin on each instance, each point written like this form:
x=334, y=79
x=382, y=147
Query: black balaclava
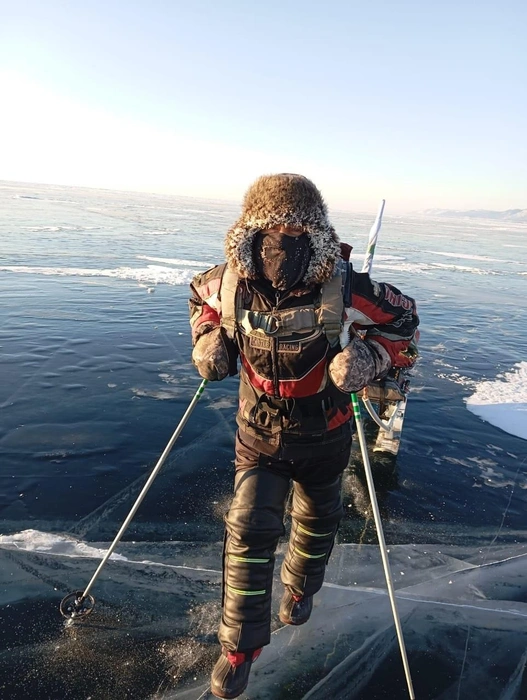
x=282, y=260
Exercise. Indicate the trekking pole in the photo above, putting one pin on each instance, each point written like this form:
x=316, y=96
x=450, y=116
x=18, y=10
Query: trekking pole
x=382, y=543
x=81, y=603
x=368, y=261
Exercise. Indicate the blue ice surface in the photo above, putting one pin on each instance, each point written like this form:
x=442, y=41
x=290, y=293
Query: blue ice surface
x=96, y=373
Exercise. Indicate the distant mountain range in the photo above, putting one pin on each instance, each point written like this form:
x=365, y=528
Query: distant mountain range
x=507, y=215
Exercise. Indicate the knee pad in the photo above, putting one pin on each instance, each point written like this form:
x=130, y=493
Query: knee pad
x=254, y=526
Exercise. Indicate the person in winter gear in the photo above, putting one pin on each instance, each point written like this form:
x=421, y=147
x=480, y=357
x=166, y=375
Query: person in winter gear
x=287, y=305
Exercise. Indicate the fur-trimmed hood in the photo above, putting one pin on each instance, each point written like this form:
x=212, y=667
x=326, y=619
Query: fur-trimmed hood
x=289, y=200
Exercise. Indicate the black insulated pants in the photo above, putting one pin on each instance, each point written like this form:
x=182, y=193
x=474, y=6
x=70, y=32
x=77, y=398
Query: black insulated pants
x=254, y=524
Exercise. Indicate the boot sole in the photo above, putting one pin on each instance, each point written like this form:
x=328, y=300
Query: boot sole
x=228, y=697
x=290, y=622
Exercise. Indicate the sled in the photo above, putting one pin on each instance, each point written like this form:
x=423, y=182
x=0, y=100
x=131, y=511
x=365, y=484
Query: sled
x=385, y=401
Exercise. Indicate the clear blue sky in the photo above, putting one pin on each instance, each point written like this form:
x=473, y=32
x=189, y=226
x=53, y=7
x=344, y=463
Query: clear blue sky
x=423, y=103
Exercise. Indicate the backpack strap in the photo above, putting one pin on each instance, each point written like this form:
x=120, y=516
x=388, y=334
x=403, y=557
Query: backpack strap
x=347, y=281
x=330, y=312
x=230, y=301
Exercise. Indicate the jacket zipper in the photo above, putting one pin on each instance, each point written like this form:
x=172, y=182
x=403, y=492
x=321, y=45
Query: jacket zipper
x=275, y=356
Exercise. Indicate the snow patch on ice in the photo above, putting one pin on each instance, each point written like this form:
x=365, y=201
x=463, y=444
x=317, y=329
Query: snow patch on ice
x=64, y=546
x=465, y=268
x=152, y=274
x=503, y=401
x=35, y=541
x=457, y=378
x=379, y=256
x=176, y=261
x=161, y=232
x=462, y=256
x=159, y=394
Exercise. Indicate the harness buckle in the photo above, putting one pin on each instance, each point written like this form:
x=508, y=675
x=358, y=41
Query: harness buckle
x=272, y=324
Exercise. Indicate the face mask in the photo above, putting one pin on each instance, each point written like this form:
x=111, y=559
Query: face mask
x=280, y=259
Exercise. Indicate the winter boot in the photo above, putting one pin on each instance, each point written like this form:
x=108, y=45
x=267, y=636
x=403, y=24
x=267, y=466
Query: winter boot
x=230, y=675
x=295, y=609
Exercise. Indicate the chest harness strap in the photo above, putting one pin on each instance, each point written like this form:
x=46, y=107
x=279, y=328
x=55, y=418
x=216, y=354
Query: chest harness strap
x=327, y=312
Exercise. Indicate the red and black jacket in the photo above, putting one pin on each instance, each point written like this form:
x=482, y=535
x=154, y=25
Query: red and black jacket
x=285, y=390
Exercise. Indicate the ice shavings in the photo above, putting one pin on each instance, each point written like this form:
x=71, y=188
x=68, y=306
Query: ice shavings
x=503, y=401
